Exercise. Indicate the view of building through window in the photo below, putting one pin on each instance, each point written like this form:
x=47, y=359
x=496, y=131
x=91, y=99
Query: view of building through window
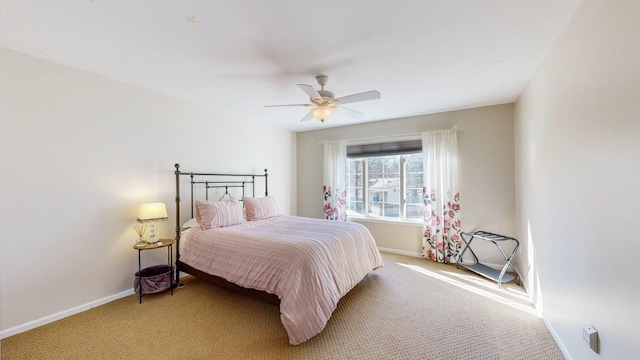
x=392, y=189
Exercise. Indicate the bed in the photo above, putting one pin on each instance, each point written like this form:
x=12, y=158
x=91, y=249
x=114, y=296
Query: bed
x=302, y=265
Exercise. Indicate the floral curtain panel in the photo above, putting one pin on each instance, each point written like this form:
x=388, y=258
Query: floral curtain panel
x=441, y=239
x=335, y=180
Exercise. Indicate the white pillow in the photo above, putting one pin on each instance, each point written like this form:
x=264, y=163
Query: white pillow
x=190, y=224
x=184, y=233
x=261, y=208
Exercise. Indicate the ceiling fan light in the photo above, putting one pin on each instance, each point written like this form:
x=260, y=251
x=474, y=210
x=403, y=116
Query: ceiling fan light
x=322, y=112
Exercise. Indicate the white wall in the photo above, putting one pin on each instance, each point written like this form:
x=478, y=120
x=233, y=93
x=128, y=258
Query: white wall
x=577, y=152
x=485, y=150
x=79, y=154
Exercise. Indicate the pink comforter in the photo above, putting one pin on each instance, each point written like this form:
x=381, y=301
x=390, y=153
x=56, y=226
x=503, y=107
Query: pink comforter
x=308, y=263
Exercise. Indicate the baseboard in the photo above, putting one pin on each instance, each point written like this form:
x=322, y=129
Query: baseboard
x=557, y=339
x=62, y=314
x=400, y=252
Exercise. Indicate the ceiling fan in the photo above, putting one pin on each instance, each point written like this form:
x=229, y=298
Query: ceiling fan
x=324, y=104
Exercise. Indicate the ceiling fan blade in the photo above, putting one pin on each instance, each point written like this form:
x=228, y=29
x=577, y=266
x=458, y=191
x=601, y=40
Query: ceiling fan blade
x=287, y=105
x=349, y=112
x=369, y=95
x=308, y=117
x=310, y=91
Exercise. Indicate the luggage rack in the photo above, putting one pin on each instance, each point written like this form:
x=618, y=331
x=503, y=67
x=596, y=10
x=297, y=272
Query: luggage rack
x=484, y=270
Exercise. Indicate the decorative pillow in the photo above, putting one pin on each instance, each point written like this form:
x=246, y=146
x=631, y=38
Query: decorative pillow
x=260, y=208
x=218, y=214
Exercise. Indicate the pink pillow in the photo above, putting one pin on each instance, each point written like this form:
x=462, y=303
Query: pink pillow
x=260, y=208
x=218, y=214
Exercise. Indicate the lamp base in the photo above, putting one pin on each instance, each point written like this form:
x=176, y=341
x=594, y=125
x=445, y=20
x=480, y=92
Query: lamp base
x=152, y=238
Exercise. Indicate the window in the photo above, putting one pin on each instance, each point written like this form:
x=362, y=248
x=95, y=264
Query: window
x=385, y=181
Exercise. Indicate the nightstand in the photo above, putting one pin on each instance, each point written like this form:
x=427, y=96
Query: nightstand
x=157, y=278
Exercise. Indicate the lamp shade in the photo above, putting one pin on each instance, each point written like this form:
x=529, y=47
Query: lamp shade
x=322, y=112
x=152, y=212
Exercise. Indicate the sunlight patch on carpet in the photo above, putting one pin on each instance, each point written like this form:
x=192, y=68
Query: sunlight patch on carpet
x=473, y=289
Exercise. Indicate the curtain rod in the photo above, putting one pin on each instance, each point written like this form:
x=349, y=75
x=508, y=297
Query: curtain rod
x=415, y=136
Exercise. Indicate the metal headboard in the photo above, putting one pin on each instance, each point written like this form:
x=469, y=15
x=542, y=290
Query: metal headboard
x=208, y=181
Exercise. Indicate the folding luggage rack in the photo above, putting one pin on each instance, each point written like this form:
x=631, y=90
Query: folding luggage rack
x=484, y=270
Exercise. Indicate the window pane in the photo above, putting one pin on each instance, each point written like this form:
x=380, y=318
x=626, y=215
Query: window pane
x=355, y=194
x=375, y=180
x=391, y=181
x=384, y=186
x=355, y=208
x=355, y=165
x=391, y=210
x=414, y=162
x=414, y=180
x=355, y=180
x=384, y=180
x=414, y=183
x=355, y=190
x=391, y=164
x=379, y=205
x=414, y=211
x=414, y=196
x=375, y=165
x=375, y=209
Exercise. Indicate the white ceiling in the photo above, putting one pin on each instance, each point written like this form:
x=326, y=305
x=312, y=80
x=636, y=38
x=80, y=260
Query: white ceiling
x=424, y=56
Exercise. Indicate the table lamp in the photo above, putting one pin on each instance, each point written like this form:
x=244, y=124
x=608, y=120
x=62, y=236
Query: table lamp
x=150, y=213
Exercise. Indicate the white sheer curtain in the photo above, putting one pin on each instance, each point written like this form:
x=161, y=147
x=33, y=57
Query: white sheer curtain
x=335, y=180
x=441, y=240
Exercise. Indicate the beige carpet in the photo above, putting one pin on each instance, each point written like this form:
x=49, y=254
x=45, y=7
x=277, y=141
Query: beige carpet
x=409, y=309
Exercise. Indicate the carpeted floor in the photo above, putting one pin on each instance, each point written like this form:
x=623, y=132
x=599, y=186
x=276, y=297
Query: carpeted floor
x=409, y=309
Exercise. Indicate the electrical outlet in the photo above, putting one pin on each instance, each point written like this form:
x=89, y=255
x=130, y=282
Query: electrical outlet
x=590, y=336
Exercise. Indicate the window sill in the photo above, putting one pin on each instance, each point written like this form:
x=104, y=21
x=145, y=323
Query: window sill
x=416, y=223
